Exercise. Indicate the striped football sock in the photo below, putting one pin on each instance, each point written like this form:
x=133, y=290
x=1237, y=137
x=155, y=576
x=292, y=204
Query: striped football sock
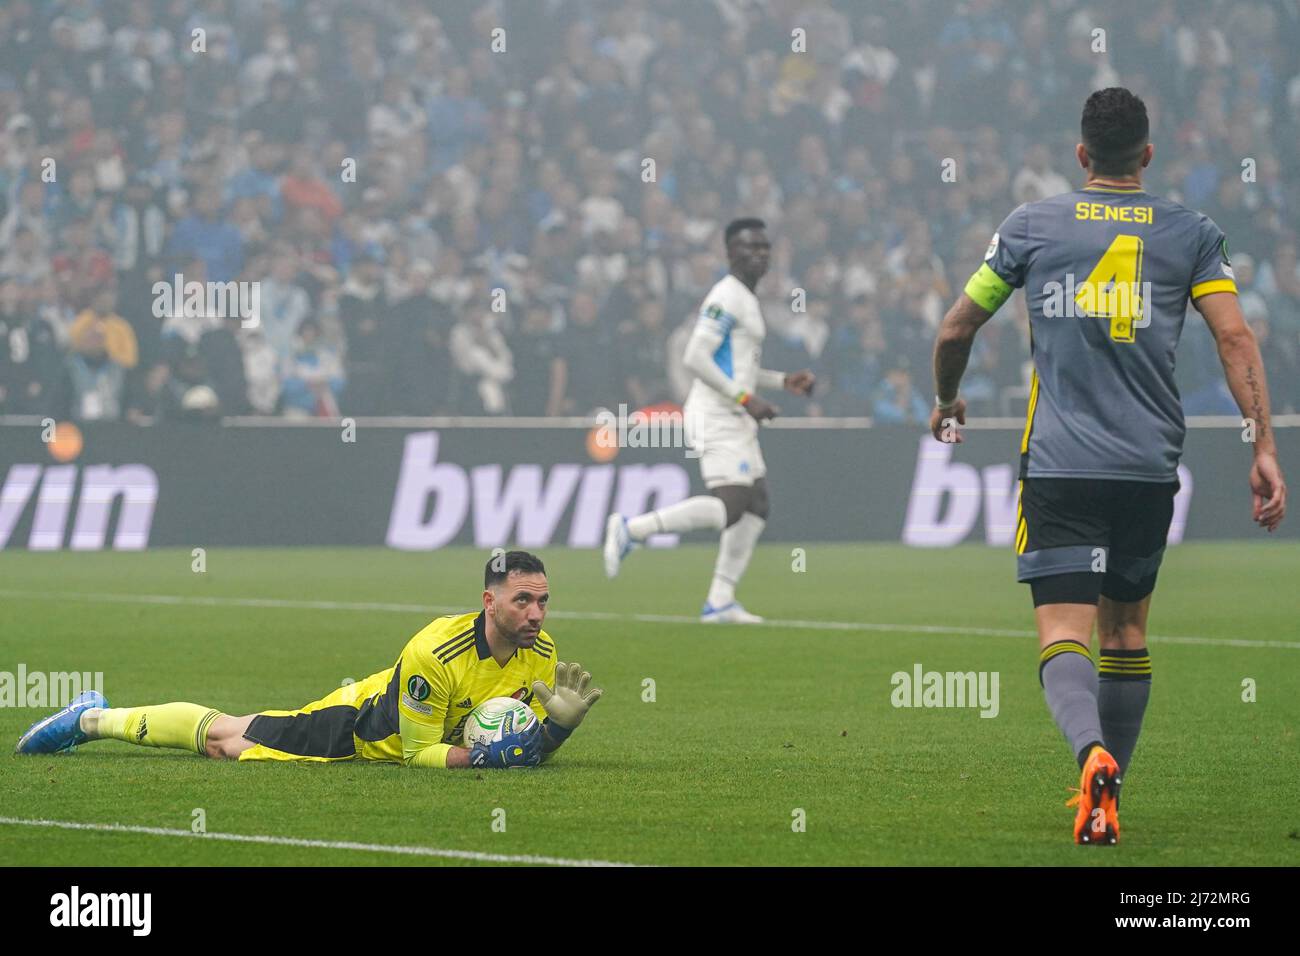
x=1070, y=685
x=1123, y=689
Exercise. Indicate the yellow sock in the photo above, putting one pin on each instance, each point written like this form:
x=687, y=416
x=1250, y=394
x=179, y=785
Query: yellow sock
x=180, y=725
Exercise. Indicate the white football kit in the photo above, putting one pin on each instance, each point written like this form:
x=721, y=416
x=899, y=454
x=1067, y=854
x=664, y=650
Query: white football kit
x=724, y=353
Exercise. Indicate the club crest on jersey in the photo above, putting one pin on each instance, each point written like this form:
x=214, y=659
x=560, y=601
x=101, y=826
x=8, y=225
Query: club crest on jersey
x=993, y=248
x=417, y=688
x=524, y=695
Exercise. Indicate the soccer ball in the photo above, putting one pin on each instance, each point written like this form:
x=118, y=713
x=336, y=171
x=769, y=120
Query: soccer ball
x=493, y=719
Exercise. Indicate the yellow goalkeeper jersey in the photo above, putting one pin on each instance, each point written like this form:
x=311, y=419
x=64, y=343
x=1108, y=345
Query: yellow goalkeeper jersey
x=414, y=712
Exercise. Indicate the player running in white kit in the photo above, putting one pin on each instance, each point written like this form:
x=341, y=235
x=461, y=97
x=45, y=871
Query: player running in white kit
x=722, y=416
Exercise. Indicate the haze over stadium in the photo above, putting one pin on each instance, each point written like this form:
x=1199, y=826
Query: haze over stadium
x=312, y=311
x=523, y=171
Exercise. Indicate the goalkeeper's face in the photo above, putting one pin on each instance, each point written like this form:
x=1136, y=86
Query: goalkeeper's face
x=519, y=607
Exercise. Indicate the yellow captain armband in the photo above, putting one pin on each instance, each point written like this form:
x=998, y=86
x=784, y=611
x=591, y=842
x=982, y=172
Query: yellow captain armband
x=1214, y=285
x=987, y=289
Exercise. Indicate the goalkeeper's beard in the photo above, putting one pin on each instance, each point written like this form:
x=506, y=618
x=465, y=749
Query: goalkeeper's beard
x=516, y=636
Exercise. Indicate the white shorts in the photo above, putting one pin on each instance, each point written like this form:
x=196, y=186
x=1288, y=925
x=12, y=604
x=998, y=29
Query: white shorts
x=727, y=448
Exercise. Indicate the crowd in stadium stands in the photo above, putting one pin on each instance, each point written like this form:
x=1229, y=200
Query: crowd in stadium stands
x=445, y=219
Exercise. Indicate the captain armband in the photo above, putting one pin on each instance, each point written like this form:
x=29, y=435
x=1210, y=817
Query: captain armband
x=987, y=289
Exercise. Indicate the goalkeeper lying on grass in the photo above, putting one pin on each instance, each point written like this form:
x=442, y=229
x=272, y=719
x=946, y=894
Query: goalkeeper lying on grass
x=413, y=713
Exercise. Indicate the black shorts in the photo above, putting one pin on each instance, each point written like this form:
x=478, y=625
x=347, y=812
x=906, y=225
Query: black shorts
x=1078, y=538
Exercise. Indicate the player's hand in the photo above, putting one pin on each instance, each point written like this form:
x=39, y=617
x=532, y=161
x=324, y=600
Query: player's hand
x=1268, y=491
x=801, y=382
x=568, y=704
x=943, y=423
x=760, y=409
x=522, y=748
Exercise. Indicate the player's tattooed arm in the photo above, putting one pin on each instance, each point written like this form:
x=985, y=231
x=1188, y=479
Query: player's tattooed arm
x=1254, y=381
x=951, y=354
x=1243, y=367
x=953, y=344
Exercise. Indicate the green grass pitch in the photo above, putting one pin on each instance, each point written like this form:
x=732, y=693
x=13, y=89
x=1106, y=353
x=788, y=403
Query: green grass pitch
x=747, y=725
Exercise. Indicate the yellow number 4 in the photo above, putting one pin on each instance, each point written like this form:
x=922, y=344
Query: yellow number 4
x=1111, y=289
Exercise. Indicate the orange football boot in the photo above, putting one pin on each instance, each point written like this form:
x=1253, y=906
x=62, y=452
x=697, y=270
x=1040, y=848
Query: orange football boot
x=1097, y=821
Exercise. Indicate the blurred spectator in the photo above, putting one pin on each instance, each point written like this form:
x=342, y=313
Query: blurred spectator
x=261, y=372
x=485, y=362
x=280, y=117
x=640, y=347
x=898, y=400
x=541, y=373
x=367, y=332
x=857, y=349
x=589, y=384
x=302, y=187
x=1036, y=179
x=139, y=226
x=97, y=381
x=190, y=394
x=31, y=362
x=313, y=376
x=29, y=213
x=24, y=259
x=81, y=267
x=224, y=361
x=187, y=324
x=108, y=328
x=206, y=235
x=284, y=303
x=259, y=181
x=425, y=374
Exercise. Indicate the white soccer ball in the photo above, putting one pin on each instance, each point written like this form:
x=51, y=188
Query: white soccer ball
x=493, y=719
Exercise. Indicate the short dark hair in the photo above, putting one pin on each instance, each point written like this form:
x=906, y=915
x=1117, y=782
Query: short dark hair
x=736, y=225
x=1115, y=130
x=499, y=566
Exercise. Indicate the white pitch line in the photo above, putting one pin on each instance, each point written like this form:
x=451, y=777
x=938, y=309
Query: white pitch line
x=315, y=844
x=296, y=604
